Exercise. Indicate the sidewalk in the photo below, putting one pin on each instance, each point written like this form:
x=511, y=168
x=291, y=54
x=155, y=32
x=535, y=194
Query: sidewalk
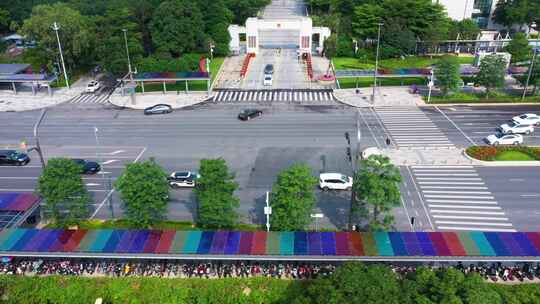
x=24, y=100
x=174, y=99
x=428, y=156
x=385, y=96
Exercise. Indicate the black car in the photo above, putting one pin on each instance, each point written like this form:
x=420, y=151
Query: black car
x=248, y=114
x=158, y=109
x=87, y=167
x=12, y=157
x=269, y=69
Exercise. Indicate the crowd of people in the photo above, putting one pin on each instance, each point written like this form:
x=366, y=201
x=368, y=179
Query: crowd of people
x=282, y=270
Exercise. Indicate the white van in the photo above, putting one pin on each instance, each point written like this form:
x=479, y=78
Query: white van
x=267, y=80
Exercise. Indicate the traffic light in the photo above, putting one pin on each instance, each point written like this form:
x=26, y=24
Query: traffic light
x=348, y=138
x=349, y=157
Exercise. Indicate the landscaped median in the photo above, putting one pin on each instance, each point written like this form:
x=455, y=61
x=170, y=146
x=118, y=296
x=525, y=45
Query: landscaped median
x=505, y=154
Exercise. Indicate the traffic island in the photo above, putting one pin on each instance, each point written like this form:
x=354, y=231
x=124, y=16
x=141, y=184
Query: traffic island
x=505, y=155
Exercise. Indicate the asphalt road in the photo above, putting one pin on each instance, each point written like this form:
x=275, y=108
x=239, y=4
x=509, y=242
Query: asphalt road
x=256, y=150
x=465, y=125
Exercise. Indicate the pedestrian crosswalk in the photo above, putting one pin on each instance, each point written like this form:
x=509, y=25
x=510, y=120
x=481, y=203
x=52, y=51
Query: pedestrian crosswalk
x=315, y=96
x=101, y=97
x=410, y=127
x=458, y=199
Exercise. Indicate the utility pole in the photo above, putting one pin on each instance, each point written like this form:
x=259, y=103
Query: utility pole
x=354, y=164
x=376, y=62
x=36, y=137
x=430, y=86
x=267, y=211
x=56, y=28
x=531, y=67
x=130, y=71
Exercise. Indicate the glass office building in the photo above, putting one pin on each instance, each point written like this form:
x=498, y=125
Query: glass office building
x=482, y=10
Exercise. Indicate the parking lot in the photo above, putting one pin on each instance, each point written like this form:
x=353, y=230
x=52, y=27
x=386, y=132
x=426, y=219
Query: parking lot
x=468, y=125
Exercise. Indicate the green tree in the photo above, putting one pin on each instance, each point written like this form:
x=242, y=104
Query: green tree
x=215, y=194
x=376, y=189
x=111, y=49
x=330, y=46
x=396, y=41
x=492, y=72
x=144, y=192
x=516, y=12
x=63, y=191
x=365, y=19
x=447, y=74
x=519, y=48
x=467, y=29
x=354, y=283
x=5, y=20
x=177, y=27
x=76, y=33
x=293, y=198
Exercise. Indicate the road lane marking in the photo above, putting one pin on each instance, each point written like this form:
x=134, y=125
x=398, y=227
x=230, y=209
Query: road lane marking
x=465, y=207
x=461, y=202
x=446, y=174
x=458, y=196
x=450, y=183
x=449, y=187
x=476, y=229
x=459, y=217
x=109, y=162
x=456, y=126
x=457, y=192
x=530, y=195
x=116, y=152
x=450, y=178
x=442, y=167
x=474, y=223
x=468, y=212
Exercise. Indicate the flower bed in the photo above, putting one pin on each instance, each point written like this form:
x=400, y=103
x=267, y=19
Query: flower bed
x=488, y=153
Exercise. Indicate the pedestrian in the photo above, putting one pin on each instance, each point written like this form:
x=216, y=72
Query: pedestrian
x=387, y=141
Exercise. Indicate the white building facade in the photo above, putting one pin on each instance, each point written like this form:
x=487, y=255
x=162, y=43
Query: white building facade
x=480, y=11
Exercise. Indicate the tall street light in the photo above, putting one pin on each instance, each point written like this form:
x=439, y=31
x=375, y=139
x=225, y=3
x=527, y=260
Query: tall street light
x=531, y=67
x=127, y=53
x=56, y=28
x=376, y=61
x=36, y=137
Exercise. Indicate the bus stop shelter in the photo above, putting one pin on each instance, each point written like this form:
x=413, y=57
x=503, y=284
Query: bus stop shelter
x=163, y=78
x=21, y=73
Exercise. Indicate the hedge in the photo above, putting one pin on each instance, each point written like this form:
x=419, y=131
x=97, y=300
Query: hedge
x=488, y=153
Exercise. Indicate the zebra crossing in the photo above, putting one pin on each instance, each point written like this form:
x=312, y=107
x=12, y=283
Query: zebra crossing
x=315, y=96
x=101, y=98
x=458, y=199
x=410, y=127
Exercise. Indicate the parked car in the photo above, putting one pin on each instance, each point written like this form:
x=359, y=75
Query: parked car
x=269, y=69
x=267, y=80
x=12, y=157
x=504, y=139
x=335, y=181
x=158, y=109
x=92, y=87
x=248, y=114
x=87, y=167
x=183, y=179
x=515, y=128
x=527, y=119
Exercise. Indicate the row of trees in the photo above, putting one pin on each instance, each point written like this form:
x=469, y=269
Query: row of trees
x=405, y=22
x=144, y=191
x=91, y=31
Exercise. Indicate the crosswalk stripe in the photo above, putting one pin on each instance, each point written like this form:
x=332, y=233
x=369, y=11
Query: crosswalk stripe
x=450, y=187
x=458, y=196
x=446, y=174
x=465, y=207
x=461, y=217
x=440, y=201
x=474, y=223
x=456, y=192
x=476, y=229
x=451, y=178
x=467, y=212
x=451, y=183
x=440, y=167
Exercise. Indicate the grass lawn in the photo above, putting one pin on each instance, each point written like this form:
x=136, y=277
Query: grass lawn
x=199, y=85
x=480, y=98
x=349, y=63
x=164, y=225
x=513, y=156
x=348, y=83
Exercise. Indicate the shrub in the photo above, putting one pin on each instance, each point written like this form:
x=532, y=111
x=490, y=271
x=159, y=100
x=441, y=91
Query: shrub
x=489, y=153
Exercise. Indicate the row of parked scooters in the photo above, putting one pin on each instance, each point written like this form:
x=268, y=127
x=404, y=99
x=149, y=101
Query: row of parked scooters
x=498, y=271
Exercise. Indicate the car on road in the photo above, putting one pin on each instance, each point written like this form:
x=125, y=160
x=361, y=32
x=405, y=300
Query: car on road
x=183, y=179
x=267, y=80
x=12, y=157
x=515, y=128
x=158, y=109
x=248, y=114
x=269, y=69
x=527, y=119
x=92, y=87
x=87, y=167
x=504, y=139
x=335, y=181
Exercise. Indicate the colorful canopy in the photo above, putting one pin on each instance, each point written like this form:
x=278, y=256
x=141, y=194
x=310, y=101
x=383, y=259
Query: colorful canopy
x=163, y=76
x=389, y=244
x=11, y=201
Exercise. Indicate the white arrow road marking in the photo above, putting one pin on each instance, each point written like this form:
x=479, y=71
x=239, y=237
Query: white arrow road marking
x=110, y=161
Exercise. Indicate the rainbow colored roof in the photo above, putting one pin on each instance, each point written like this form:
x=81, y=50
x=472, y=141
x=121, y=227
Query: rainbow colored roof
x=260, y=243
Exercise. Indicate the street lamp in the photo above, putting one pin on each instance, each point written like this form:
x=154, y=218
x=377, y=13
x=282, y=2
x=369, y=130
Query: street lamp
x=267, y=211
x=212, y=46
x=430, y=86
x=56, y=28
x=354, y=163
x=36, y=137
x=355, y=46
x=127, y=53
x=531, y=67
x=376, y=61
x=316, y=216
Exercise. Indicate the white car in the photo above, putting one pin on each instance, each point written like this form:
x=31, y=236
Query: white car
x=335, y=181
x=504, y=139
x=92, y=87
x=370, y=151
x=267, y=80
x=515, y=128
x=183, y=179
x=527, y=119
